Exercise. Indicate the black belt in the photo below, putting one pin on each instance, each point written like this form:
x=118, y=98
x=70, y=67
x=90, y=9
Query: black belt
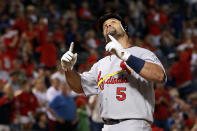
x=113, y=121
x=116, y=121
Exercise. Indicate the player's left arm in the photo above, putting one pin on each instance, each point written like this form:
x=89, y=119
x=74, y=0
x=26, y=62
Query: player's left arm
x=148, y=66
x=152, y=72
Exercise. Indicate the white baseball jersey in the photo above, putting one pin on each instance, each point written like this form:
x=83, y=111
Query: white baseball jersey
x=122, y=94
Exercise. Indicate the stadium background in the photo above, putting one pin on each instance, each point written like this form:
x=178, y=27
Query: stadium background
x=35, y=33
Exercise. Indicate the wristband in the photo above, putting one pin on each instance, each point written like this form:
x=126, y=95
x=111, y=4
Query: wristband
x=135, y=63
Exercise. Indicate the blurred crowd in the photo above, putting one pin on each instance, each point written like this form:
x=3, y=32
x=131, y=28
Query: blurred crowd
x=34, y=34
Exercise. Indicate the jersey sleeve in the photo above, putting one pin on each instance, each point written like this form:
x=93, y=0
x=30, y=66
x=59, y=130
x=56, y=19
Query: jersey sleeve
x=89, y=81
x=149, y=56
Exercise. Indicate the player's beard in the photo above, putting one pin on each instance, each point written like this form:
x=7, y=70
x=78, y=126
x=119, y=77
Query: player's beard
x=112, y=33
x=115, y=34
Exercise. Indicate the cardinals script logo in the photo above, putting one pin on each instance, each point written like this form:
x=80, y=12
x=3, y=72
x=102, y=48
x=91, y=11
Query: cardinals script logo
x=111, y=79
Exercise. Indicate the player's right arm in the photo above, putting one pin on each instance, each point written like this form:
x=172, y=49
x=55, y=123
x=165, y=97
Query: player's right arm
x=80, y=83
x=73, y=78
x=74, y=81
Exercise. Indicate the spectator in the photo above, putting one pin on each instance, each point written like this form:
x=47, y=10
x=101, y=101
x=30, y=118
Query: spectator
x=175, y=120
x=136, y=8
x=59, y=74
x=71, y=13
x=186, y=44
x=7, y=103
x=4, y=22
x=44, y=72
x=193, y=101
x=82, y=115
x=63, y=108
x=90, y=61
x=44, y=49
x=153, y=22
x=21, y=22
x=28, y=37
x=163, y=16
x=162, y=106
x=177, y=18
x=72, y=32
x=182, y=77
x=155, y=128
x=28, y=104
x=58, y=39
x=16, y=6
x=6, y=61
x=195, y=126
x=84, y=12
x=189, y=120
x=39, y=90
x=20, y=75
x=194, y=63
x=27, y=65
x=2, y=83
x=167, y=43
x=3, y=74
x=31, y=13
x=41, y=122
x=97, y=122
x=180, y=113
x=53, y=12
x=41, y=31
x=11, y=41
x=82, y=68
x=13, y=81
x=27, y=46
x=91, y=40
x=52, y=92
x=147, y=44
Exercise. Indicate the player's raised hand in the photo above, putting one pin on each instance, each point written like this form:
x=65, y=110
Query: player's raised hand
x=116, y=48
x=69, y=59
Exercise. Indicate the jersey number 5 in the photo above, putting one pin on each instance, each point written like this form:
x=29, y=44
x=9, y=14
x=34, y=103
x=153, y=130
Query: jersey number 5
x=120, y=93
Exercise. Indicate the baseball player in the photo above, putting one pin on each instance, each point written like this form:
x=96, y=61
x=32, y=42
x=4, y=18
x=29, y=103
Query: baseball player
x=123, y=80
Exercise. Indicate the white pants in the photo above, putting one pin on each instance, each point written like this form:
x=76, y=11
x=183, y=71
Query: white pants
x=129, y=125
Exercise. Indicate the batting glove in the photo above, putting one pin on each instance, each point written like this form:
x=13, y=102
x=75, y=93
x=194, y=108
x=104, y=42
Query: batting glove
x=116, y=48
x=69, y=59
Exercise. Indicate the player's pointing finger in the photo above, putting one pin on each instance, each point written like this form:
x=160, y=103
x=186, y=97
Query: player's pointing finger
x=71, y=47
x=113, y=39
